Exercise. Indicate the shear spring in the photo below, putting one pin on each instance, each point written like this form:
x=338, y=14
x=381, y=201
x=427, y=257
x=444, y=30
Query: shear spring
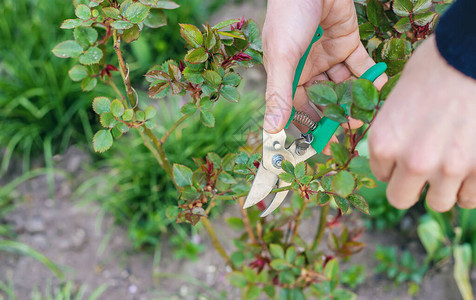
x=305, y=120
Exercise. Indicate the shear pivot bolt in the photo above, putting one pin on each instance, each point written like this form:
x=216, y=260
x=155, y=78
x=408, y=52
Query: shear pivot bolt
x=277, y=145
x=277, y=159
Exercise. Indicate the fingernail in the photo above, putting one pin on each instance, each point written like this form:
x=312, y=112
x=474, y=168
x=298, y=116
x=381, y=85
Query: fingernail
x=271, y=122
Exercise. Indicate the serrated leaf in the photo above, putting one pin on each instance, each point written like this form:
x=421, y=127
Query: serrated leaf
x=359, y=202
x=128, y=114
x=131, y=34
x=423, y=19
x=388, y=87
x=253, y=292
x=140, y=116
x=287, y=166
x=192, y=76
x=102, y=141
x=107, y=120
x=92, y=56
x=232, y=79
x=155, y=19
x=344, y=92
x=300, y=169
x=365, y=94
x=207, y=118
x=112, y=12
x=230, y=93
x=237, y=279
x=212, y=78
x=343, y=183
x=225, y=23
x=136, y=12
x=341, y=203
x=359, y=165
x=166, y=4
x=367, y=31
x=121, y=24
x=67, y=49
x=376, y=15
x=288, y=177
x=360, y=114
x=322, y=94
x=83, y=12
x=117, y=109
x=188, y=109
x=182, y=175
x=210, y=40
x=335, y=112
x=196, y=56
x=403, y=25
x=251, y=31
x=393, y=49
x=291, y=254
x=340, y=153
x=89, y=83
x=276, y=251
x=150, y=112
x=403, y=8
x=192, y=35
x=421, y=6
x=71, y=23
x=77, y=73
x=322, y=198
x=279, y=264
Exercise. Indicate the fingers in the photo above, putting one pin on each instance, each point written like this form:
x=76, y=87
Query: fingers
x=359, y=61
x=301, y=103
x=339, y=73
x=467, y=192
x=405, y=186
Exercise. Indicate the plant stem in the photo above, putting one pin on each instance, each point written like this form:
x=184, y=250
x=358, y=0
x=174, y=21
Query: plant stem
x=233, y=197
x=173, y=127
x=321, y=227
x=123, y=69
x=216, y=243
x=298, y=219
x=114, y=87
x=151, y=148
x=246, y=220
x=163, y=157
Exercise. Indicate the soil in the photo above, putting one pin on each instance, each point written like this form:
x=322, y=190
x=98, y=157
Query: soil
x=93, y=251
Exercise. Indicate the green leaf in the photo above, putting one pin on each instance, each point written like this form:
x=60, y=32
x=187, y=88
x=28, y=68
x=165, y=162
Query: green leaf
x=359, y=165
x=291, y=254
x=341, y=203
x=226, y=178
x=121, y=24
x=123, y=128
x=77, y=73
x=253, y=292
x=237, y=258
x=196, y=56
x=331, y=271
x=88, y=83
x=85, y=35
x=421, y=6
x=360, y=114
x=364, y=94
x=232, y=79
x=117, y=109
x=192, y=35
x=322, y=198
x=322, y=94
x=188, y=109
x=340, y=153
x=359, y=202
x=67, y=49
x=140, y=116
x=394, y=49
x=92, y=56
x=286, y=277
x=150, y=112
x=225, y=23
x=270, y=291
x=212, y=78
x=279, y=264
x=234, y=34
x=102, y=140
x=235, y=223
x=403, y=25
x=71, y=23
x=367, y=31
x=192, y=76
x=131, y=34
x=335, y=112
x=376, y=15
x=388, y=87
x=155, y=19
x=430, y=234
x=136, y=12
x=230, y=93
x=287, y=166
x=210, y=40
x=300, y=169
x=403, y=8
x=166, y=4
x=83, y=12
x=107, y=120
x=207, y=118
x=182, y=175
x=342, y=294
x=288, y=177
x=423, y=19
x=276, y=251
x=344, y=92
x=112, y=12
x=343, y=183
x=462, y=256
x=128, y=114
x=237, y=279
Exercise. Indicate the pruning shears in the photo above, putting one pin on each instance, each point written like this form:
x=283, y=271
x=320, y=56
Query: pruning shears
x=309, y=144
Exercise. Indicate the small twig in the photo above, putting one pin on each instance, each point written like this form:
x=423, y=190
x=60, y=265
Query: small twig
x=173, y=127
x=216, y=243
x=321, y=227
x=297, y=221
x=246, y=220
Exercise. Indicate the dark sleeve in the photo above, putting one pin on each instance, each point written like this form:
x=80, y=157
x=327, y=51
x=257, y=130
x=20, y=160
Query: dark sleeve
x=456, y=36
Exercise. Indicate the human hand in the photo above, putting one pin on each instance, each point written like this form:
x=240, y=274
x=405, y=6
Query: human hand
x=287, y=32
x=426, y=132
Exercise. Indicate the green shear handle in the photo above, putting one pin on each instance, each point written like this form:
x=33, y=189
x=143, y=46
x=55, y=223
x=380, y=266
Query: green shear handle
x=326, y=127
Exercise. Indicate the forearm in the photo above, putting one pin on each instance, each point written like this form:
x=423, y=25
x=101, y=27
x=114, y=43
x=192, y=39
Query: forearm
x=456, y=36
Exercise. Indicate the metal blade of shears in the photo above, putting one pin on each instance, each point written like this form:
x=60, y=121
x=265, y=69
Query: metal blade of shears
x=263, y=183
x=277, y=200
